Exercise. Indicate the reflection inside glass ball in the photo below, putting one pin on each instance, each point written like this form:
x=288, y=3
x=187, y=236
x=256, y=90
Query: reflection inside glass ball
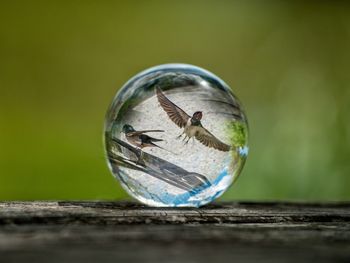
x=175, y=135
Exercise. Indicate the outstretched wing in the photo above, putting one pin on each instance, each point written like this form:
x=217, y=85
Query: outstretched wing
x=209, y=140
x=176, y=114
x=144, y=131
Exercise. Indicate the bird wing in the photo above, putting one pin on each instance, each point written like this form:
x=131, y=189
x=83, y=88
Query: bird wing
x=142, y=132
x=175, y=113
x=209, y=140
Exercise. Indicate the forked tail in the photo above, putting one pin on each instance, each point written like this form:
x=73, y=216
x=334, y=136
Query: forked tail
x=163, y=148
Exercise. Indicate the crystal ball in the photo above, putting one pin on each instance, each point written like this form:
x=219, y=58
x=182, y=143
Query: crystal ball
x=176, y=136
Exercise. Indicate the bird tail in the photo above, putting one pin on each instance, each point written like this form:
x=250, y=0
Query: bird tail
x=156, y=140
x=162, y=147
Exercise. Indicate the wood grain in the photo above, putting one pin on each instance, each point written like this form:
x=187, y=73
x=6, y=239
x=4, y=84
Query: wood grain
x=125, y=231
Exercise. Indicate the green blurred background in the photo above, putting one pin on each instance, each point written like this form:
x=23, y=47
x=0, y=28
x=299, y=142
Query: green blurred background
x=63, y=61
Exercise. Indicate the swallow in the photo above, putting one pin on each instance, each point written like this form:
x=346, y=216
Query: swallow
x=139, y=138
x=192, y=125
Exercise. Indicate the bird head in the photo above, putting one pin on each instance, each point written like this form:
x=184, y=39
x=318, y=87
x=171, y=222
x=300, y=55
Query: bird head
x=127, y=128
x=197, y=115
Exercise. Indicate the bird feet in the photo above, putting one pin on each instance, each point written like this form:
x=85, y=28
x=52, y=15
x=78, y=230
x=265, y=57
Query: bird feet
x=178, y=137
x=140, y=160
x=184, y=138
x=141, y=163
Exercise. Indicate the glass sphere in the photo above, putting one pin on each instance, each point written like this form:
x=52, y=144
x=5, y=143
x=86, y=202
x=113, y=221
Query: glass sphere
x=175, y=135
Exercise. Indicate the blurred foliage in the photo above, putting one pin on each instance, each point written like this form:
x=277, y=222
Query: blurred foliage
x=63, y=61
x=238, y=132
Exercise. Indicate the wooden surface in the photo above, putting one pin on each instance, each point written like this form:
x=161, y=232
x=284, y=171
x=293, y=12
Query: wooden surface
x=129, y=232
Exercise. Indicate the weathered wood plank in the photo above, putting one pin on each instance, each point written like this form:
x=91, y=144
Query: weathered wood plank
x=132, y=213
x=122, y=231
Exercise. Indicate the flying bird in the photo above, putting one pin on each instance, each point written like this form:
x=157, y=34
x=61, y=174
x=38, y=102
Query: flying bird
x=192, y=125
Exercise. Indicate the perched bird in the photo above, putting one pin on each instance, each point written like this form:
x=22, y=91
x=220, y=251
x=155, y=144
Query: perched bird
x=139, y=138
x=192, y=125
